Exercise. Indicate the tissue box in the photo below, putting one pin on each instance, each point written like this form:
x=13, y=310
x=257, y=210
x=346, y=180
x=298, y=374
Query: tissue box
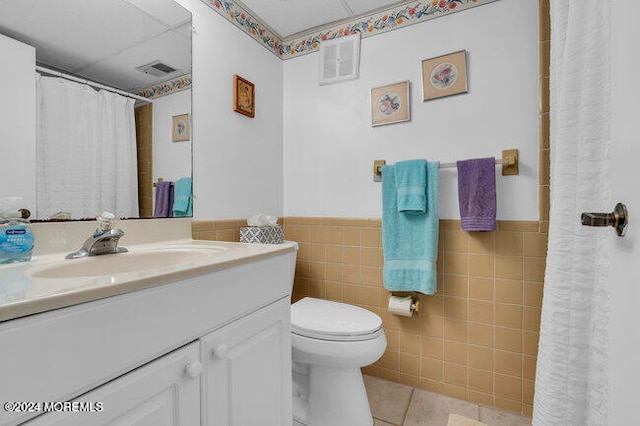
x=262, y=234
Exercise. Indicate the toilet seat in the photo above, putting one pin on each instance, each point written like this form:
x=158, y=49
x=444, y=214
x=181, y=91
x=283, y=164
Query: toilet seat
x=333, y=321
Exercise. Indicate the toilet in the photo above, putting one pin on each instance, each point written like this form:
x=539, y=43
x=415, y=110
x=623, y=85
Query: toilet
x=330, y=342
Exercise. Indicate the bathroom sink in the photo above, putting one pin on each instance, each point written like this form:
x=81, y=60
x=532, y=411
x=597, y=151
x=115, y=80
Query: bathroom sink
x=133, y=261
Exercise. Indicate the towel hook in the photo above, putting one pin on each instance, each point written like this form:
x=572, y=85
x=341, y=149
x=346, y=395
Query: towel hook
x=619, y=219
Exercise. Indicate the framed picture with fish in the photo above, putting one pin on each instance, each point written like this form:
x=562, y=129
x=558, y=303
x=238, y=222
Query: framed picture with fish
x=444, y=75
x=390, y=104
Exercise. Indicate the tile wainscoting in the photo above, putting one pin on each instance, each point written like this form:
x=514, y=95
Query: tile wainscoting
x=475, y=340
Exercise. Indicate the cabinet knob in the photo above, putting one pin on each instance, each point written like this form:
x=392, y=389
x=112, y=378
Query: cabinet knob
x=220, y=351
x=193, y=370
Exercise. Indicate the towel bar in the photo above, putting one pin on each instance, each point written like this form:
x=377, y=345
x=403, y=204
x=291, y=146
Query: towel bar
x=509, y=163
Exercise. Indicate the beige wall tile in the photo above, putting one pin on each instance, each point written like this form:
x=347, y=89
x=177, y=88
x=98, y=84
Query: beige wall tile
x=432, y=306
x=508, y=387
x=527, y=391
x=481, y=265
x=508, y=404
x=509, y=291
x=410, y=343
x=481, y=358
x=432, y=347
x=535, y=244
x=351, y=274
x=456, y=263
x=351, y=294
x=509, y=267
x=432, y=386
x=318, y=252
x=334, y=272
x=456, y=308
x=334, y=235
x=456, y=285
x=530, y=341
x=481, y=288
x=371, y=276
x=508, y=339
x=529, y=367
x=393, y=339
x=370, y=296
x=351, y=255
x=317, y=270
x=509, y=243
x=508, y=315
x=456, y=241
x=409, y=364
x=543, y=173
x=432, y=369
x=481, y=381
x=545, y=53
x=371, y=237
x=370, y=256
x=457, y=392
x=481, y=335
x=389, y=360
x=481, y=398
x=531, y=320
x=456, y=352
x=456, y=330
x=533, y=294
x=482, y=242
x=351, y=236
x=534, y=268
x=334, y=291
x=481, y=311
x=433, y=326
x=508, y=363
x=455, y=374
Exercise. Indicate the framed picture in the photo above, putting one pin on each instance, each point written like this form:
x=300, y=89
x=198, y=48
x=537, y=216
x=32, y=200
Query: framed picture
x=444, y=75
x=243, y=96
x=180, y=128
x=390, y=104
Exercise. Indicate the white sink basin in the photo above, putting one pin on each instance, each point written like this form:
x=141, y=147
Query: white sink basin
x=122, y=263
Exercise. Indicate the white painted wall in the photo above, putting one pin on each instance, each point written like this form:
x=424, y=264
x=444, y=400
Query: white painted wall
x=329, y=144
x=171, y=160
x=625, y=291
x=237, y=160
x=18, y=121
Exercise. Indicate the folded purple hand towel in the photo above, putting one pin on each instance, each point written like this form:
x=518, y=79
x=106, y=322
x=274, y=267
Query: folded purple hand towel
x=164, y=200
x=477, y=194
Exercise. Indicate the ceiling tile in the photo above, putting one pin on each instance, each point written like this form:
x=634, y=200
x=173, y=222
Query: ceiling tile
x=168, y=12
x=288, y=17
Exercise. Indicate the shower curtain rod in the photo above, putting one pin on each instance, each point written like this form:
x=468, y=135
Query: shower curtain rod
x=91, y=83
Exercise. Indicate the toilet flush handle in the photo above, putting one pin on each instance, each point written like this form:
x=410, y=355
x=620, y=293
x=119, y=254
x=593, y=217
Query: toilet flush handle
x=220, y=351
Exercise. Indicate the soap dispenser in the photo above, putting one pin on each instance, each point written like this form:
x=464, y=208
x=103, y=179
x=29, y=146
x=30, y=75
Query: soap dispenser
x=16, y=236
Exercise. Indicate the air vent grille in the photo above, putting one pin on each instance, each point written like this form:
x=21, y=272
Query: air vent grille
x=156, y=69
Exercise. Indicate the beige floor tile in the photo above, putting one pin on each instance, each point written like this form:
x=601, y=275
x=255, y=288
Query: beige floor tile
x=428, y=408
x=377, y=422
x=496, y=417
x=388, y=400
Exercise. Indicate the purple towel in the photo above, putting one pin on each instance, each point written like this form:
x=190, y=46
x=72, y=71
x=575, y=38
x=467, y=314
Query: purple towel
x=477, y=194
x=164, y=200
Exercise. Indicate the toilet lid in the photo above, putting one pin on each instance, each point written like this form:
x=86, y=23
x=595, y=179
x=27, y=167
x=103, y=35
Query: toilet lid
x=316, y=318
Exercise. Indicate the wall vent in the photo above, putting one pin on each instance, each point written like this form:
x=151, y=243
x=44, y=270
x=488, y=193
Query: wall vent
x=156, y=69
x=339, y=59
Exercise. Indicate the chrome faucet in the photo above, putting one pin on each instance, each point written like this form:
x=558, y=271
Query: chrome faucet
x=103, y=241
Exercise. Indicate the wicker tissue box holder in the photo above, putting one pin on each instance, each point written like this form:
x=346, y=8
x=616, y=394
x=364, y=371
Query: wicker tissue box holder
x=262, y=234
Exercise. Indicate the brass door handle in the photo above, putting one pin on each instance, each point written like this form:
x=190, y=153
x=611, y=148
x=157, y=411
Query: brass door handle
x=619, y=219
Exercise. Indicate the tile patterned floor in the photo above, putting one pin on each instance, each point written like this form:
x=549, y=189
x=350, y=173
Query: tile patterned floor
x=394, y=404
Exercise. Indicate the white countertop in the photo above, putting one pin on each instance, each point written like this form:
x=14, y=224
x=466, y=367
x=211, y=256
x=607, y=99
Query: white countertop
x=22, y=293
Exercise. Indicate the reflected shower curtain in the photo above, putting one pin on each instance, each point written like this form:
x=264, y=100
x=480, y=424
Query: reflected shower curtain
x=86, y=151
x=571, y=385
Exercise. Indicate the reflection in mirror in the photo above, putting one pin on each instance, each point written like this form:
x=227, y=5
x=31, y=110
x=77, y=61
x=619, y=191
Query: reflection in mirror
x=113, y=107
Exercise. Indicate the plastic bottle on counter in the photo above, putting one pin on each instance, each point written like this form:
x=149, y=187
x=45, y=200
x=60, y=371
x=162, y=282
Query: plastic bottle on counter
x=16, y=236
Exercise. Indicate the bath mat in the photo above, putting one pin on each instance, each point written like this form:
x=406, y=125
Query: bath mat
x=456, y=420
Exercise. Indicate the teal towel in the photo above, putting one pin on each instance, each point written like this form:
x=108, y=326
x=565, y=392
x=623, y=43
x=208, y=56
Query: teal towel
x=411, y=182
x=182, y=205
x=410, y=241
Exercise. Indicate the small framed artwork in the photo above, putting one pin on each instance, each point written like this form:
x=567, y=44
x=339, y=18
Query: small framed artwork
x=390, y=104
x=243, y=96
x=180, y=128
x=444, y=75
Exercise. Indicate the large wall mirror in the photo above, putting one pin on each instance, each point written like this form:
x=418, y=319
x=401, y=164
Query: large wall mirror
x=138, y=47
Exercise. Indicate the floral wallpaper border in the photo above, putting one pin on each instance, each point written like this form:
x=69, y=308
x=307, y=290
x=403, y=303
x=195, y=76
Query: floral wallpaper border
x=168, y=87
x=412, y=12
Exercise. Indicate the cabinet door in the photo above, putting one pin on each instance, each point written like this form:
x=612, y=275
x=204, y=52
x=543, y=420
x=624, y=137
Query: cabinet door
x=247, y=370
x=162, y=393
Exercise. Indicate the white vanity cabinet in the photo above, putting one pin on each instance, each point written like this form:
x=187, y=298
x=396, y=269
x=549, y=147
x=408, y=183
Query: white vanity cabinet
x=247, y=370
x=164, y=392
x=147, y=355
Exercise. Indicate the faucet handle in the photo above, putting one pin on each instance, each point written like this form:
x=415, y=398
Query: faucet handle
x=106, y=220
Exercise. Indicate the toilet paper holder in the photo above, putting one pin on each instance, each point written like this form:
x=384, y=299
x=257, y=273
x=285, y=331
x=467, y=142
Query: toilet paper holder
x=415, y=300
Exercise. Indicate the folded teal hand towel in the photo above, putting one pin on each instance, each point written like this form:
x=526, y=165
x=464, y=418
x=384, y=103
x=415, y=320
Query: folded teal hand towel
x=410, y=241
x=182, y=205
x=411, y=182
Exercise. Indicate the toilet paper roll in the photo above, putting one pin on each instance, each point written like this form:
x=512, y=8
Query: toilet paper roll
x=401, y=306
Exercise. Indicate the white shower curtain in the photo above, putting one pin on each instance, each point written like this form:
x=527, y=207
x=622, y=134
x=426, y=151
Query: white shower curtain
x=86, y=151
x=571, y=381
